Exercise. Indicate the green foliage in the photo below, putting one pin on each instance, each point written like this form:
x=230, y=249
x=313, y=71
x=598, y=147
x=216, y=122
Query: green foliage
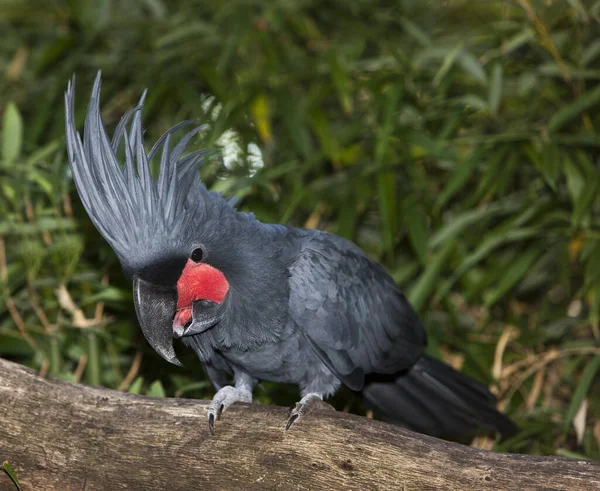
x=454, y=141
x=12, y=474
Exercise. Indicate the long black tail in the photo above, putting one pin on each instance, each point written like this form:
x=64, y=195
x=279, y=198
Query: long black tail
x=435, y=399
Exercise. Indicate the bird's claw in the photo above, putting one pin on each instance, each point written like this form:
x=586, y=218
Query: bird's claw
x=224, y=398
x=304, y=407
x=211, y=423
x=290, y=421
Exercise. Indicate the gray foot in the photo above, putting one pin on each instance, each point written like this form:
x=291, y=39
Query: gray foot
x=307, y=405
x=224, y=398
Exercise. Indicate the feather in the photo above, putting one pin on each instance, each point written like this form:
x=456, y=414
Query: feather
x=125, y=203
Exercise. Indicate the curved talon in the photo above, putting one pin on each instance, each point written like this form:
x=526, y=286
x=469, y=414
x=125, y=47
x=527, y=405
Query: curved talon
x=304, y=407
x=224, y=398
x=291, y=421
x=211, y=424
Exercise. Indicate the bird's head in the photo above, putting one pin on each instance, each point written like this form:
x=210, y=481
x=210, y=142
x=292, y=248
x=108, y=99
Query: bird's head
x=172, y=236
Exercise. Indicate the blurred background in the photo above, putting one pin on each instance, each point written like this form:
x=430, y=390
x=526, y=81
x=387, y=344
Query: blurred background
x=454, y=141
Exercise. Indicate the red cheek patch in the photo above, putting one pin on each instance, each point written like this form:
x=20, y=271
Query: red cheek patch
x=199, y=281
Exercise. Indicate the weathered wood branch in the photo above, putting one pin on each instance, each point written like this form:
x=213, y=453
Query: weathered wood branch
x=64, y=436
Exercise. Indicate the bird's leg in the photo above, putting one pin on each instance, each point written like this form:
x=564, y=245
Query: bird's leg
x=226, y=396
x=305, y=406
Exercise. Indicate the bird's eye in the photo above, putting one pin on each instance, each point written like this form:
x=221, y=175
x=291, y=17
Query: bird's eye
x=197, y=255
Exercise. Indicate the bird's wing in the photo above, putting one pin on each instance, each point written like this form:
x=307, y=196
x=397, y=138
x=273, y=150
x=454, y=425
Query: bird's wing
x=352, y=313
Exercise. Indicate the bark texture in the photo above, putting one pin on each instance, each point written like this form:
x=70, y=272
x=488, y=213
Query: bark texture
x=64, y=436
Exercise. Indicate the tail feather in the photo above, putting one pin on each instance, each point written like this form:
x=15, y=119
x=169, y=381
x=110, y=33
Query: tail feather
x=435, y=399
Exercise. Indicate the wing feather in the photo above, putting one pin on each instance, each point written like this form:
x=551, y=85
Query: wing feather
x=352, y=313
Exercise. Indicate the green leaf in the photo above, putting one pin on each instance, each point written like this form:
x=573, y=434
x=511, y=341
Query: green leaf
x=415, y=31
x=585, y=382
x=327, y=138
x=564, y=452
x=12, y=133
x=575, y=178
x=447, y=64
x=386, y=185
x=386, y=180
x=427, y=281
x=460, y=175
x=415, y=223
x=136, y=386
x=489, y=244
x=471, y=101
x=588, y=193
x=584, y=102
x=339, y=76
x=94, y=369
x=510, y=276
x=404, y=272
x=549, y=165
x=591, y=52
x=462, y=221
x=12, y=343
x=582, y=184
x=579, y=9
x=495, y=94
x=192, y=386
x=518, y=40
x=11, y=473
x=471, y=65
x=156, y=389
x=584, y=201
x=593, y=297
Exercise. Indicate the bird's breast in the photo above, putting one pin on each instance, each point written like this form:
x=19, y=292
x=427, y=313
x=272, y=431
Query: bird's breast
x=286, y=361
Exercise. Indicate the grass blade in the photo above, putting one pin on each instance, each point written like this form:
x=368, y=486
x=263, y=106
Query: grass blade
x=11, y=473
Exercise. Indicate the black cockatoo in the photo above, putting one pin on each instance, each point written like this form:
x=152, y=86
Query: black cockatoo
x=258, y=301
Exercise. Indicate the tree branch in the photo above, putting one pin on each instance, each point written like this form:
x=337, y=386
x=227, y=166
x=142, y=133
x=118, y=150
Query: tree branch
x=64, y=436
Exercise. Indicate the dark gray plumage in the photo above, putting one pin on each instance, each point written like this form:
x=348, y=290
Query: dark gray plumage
x=334, y=289
x=258, y=301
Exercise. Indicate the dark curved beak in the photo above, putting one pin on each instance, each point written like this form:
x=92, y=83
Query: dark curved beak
x=155, y=309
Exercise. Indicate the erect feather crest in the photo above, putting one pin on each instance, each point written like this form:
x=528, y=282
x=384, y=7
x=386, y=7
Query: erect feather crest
x=128, y=207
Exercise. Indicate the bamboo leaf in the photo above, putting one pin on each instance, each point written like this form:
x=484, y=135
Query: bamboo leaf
x=471, y=65
x=415, y=31
x=339, y=75
x=156, y=389
x=510, y=276
x=591, y=52
x=489, y=244
x=261, y=114
x=415, y=222
x=571, y=111
x=11, y=473
x=386, y=180
x=12, y=133
x=495, y=94
x=430, y=276
x=136, y=386
x=585, y=382
x=469, y=218
x=447, y=64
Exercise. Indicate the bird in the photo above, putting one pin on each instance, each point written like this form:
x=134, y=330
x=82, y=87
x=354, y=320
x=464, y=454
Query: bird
x=256, y=301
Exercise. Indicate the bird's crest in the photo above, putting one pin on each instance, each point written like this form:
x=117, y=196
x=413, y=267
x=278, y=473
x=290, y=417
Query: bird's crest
x=126, y=204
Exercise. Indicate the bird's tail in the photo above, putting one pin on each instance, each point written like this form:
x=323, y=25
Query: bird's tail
x=435, y=399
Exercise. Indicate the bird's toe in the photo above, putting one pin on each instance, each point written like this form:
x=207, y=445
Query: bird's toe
x=224, y=398
x=304, y=407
